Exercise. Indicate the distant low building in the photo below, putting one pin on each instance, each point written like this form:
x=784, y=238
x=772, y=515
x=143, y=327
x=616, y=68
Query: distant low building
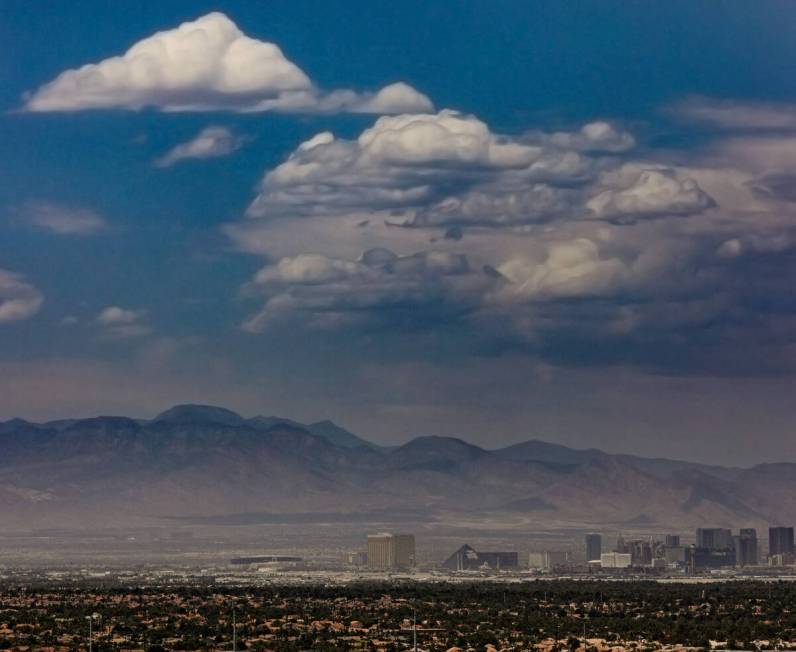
x=781, y=559
x=616, y=559
x=264, y=559
x=467, y=558
x=358, y=558
x=549, y=559
x=387, y=550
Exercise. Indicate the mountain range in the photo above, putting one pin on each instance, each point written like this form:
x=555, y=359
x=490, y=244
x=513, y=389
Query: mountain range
x=205, y=464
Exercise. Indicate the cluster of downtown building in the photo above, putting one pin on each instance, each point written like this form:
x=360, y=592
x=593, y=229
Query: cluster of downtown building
x=715, y=548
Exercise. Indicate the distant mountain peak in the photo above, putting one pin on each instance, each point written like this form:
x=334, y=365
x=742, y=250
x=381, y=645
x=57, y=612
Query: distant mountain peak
x=192, y=413
x=436, y=453
x=16, y=422
x=441, y=442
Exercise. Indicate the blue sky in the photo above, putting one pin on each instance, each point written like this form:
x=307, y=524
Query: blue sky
x=569, y=221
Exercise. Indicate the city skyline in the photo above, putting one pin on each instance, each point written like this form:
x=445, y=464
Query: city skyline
x=432, y=326
x=440, y=326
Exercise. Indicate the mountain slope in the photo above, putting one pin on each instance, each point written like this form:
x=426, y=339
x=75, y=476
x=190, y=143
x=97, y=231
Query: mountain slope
x=211, y=463
x=338, y=436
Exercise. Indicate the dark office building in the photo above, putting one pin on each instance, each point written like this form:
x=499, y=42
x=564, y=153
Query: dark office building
x=676, y=555
x=745, y=545
x=672, y=540
x=715, y=538
x=701, y=558
x=465, y=558
x=594, y=547
x=780, y=541
x=640, y=552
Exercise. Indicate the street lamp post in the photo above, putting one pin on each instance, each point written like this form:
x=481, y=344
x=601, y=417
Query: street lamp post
x=90, y=620
x=414, y=629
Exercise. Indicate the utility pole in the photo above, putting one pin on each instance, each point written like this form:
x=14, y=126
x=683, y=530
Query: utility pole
x=234, y=633
x=414, y=629
x=90, y=620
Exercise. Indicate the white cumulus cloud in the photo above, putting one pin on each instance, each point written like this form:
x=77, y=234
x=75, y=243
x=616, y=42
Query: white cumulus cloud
x=596, y=137
x=570, y=269
x=211, y=142
x=113, y=315
x=735, y=114
x=652, y=193
x=413, y=161
x=394, y=98
x=332, y=292
x=123, y=323
x=60, y=219
x=19, y=299
x=208, y=64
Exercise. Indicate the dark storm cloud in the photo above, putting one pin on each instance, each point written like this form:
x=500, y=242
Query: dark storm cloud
x=778, y=185
x=327, y=292
x=595, y=257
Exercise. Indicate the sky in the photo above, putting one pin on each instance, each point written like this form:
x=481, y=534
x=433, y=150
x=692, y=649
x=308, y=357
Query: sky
x=493, y=220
